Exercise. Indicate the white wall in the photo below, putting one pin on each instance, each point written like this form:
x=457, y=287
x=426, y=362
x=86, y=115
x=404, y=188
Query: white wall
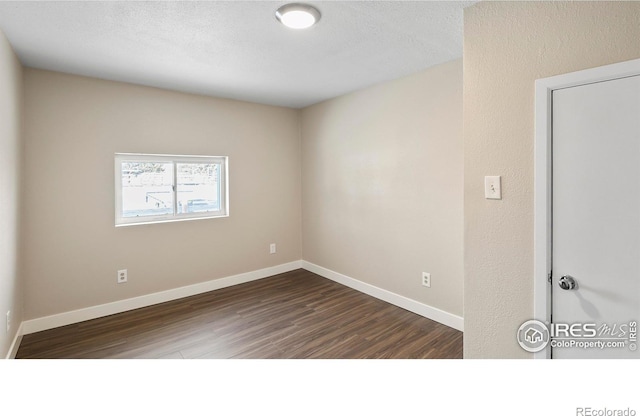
x=11, y=293
x=382, y=185
x=507, y=46
x=72, y=249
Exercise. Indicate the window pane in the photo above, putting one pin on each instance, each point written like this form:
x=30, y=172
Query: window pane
x=147, y=189
x=198, y=187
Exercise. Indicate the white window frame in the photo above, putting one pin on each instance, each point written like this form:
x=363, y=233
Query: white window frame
x=120, y=158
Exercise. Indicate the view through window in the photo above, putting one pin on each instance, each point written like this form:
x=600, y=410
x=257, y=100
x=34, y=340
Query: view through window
x=156, y=188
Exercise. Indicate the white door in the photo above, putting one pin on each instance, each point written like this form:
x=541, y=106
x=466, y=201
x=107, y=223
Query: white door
x=596, y=219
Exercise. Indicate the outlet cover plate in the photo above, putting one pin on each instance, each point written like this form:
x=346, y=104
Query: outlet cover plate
x=426, y=279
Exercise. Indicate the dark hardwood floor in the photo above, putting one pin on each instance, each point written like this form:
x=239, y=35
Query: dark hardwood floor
x=292, y=315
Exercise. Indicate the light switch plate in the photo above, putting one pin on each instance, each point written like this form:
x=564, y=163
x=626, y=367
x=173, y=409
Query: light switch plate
x=492, y=187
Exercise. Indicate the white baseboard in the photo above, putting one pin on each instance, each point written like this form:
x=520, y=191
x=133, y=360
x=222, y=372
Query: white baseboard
x=79, y=315
x=85, y=314
x=13, y=349
x=435, y=314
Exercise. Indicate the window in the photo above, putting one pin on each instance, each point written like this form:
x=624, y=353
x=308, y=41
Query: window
x=161, y=188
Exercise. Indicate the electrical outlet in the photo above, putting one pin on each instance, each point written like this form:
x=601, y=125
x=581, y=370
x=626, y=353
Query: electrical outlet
x=272, y=248
x=8, y=320
x=122, y=276
x=426, y=279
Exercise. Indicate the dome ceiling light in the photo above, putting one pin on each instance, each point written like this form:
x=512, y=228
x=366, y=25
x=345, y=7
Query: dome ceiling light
x=297, y=15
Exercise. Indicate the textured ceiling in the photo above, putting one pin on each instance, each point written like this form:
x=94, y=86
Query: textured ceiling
x=236, y=49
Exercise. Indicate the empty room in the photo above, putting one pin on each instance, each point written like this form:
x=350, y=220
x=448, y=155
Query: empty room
x=226, y=190
x=339, y=180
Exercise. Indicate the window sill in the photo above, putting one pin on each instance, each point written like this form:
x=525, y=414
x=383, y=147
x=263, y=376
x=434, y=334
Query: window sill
x=128, y=224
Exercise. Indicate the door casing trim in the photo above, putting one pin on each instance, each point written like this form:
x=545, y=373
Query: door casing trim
x=543, y=173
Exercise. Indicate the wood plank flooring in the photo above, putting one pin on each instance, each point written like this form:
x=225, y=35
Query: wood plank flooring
x=293, y=315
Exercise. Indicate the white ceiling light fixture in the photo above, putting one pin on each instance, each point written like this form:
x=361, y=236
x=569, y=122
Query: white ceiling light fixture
x=298, y=15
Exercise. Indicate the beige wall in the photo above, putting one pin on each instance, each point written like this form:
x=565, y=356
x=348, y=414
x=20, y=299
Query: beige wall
x=73, y=127
x=507, y=46
x=392, y=155
x=382, y=185
x=11, y=295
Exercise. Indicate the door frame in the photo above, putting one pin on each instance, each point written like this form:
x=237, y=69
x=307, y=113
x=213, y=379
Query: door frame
x=543, y=174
